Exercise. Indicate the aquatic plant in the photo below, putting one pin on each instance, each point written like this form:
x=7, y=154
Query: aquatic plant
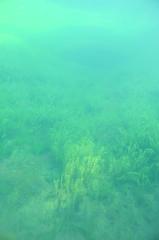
x=81, y=174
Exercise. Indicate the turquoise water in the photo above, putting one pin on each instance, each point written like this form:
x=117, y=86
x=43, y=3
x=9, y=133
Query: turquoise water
x=79, y=120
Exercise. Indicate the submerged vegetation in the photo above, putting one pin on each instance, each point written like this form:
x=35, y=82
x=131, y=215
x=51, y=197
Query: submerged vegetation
x=74, y=169
x=79, y=125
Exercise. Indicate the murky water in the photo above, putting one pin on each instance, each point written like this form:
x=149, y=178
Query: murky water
x=79, y=120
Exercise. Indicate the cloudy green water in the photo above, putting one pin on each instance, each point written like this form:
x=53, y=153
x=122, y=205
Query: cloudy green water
x=79, y=120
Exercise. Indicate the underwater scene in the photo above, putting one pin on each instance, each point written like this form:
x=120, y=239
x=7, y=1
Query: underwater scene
x=79, y=120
